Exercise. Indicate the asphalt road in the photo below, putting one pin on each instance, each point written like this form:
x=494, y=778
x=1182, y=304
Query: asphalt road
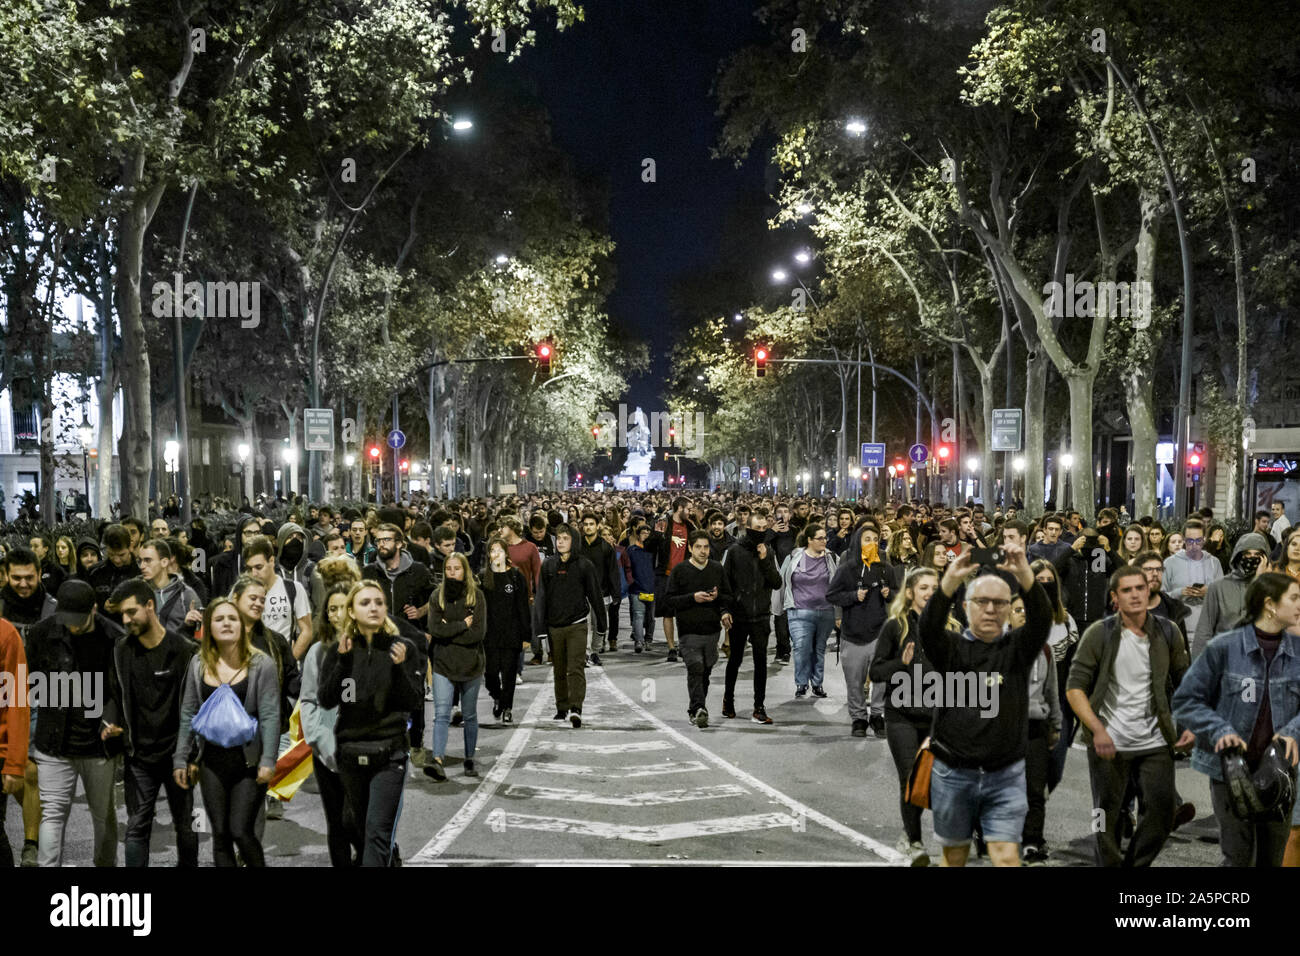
x=638, y=784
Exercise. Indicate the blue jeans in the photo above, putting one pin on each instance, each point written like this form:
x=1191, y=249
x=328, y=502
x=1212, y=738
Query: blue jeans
x=443, y=689
x=808, y=633
x=643, y=619
x=959, y=798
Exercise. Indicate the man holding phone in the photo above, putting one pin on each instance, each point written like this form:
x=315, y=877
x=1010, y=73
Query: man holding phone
x=698, y=595
x=1189, y=573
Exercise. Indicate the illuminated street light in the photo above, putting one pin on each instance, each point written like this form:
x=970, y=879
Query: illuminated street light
x=1067, y=461
x=1018, y=465
x=779, y=275
x=802, y=256
x=972, y=464
x=855, y=127
x=243, y=450
x=349, y=460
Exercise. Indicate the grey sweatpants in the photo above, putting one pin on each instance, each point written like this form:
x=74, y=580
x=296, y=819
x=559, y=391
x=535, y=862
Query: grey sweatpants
x=856, y=661
x=58, y=784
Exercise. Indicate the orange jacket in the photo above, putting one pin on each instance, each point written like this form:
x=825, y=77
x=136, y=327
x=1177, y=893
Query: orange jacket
x=15, y=715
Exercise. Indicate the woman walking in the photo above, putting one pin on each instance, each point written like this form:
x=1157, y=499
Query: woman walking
x=232, y=779
x=508, y=625
x=805, y=577
x=456, y=625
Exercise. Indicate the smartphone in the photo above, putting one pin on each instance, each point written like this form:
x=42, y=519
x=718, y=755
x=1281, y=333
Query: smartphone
x=987, y=557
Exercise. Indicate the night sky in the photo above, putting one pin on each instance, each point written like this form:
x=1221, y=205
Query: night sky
x=634, y=81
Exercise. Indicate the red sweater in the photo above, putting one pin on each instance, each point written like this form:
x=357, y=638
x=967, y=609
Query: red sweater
x=528, y=560
x=15, y=716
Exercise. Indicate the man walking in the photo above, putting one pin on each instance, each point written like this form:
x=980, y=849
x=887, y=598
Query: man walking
x=605, y=562
x=699, y=596
x=751, y=575
x=567, y=591
x=1189, y=572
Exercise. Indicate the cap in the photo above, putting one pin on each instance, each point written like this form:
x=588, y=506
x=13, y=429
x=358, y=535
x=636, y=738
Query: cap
x=76, y=599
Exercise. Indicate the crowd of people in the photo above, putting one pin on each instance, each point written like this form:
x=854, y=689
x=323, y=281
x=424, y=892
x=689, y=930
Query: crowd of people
x=979, y=645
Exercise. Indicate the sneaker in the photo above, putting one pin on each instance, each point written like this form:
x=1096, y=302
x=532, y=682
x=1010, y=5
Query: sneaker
x=496, y=710
x=760, y=716
x=818, y=691
x=801, y=692
x=595, y=659
x=31, y=849
x=457, y=718
x=420, y=756
x=274, y=808
x=859, y=728
x=560, y=715
x=507, y=717
x=469, y=768
x=728, y=710
x=428, y=695
x=435, y=770
x=672, y=656
x=640, y=648
x=520, y=680
x=1186, y=814
x=1034, y=853
x=701, y=718
x=613, y=644
x=575, y=718
x=877, y=723
x=783, y=658
x=915, y=852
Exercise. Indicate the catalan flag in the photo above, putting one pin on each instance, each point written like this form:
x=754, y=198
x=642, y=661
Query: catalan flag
x=295, y=765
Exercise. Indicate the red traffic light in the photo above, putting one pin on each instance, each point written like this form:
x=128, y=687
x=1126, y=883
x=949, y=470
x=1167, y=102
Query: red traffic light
x=580, y=476
x=543, y=351
x=762, y=472
x=1193, y=459
x=405, y=464
x=760, y=361
x=374, y=451
x=944, y=451
x=672, y=431
x=595, y=431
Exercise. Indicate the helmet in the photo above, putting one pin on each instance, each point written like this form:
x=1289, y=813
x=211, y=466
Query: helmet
x=1265, y=794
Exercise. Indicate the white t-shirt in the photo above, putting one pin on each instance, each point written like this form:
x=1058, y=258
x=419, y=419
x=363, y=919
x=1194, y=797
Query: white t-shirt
x=276, y=614
x=1127, y=712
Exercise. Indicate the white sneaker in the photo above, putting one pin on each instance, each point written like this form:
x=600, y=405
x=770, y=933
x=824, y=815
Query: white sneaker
x=915, y=852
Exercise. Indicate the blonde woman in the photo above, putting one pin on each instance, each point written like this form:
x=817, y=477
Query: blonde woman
x=65, y=555
x=456, y=626
x=369, y=675
x=232, y=779
x=897, y=664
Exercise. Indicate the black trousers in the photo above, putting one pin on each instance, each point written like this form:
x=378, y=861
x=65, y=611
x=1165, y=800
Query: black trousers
x=1153, y=772
x=501, y=673
x=374, y=797
x=904, y=736
x=612, y=613
x=1038, y=758
x=342, y=835
x=232, y=798
x=700, y=653
x=782, y=635
x=141, y=781
x=757, y=634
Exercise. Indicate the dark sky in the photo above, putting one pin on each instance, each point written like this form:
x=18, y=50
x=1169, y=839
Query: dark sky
x=633, y=82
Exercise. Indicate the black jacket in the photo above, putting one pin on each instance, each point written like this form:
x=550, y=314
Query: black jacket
x=565, y=590
x=457, y=650
x=887, y=660
x=508, y=622
x=1087, y=585
x=750, y=580
x=177, y=652
x=106, y=576
x=862, y=619
x=373, y=695
x=604, y=559
x=412, y=585
x=50, y=652
x=679, y=597
x=23, y=614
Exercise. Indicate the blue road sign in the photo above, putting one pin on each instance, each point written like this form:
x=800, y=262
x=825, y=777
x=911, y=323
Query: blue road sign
x=744, y=473
x=396, y=438
x=873, y=454
x=918, y=453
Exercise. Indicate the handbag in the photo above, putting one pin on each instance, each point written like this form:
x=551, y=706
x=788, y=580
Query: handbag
x=223, y=721
x=647, y=596
x=918, y=780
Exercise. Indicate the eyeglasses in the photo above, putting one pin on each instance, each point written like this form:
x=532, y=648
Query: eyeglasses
x=1200, y=540
x=388, y=540
x=819, y=537
x=996, y=604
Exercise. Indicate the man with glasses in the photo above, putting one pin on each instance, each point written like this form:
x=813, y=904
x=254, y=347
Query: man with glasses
x=1189, y=572
x=229, y=565
x=981, y=726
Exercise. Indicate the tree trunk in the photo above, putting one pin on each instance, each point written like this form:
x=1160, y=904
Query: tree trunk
x=1036, y=366
x=1085, y=497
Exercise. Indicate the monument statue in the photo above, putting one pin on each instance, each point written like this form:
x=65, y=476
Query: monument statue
x=639, y=436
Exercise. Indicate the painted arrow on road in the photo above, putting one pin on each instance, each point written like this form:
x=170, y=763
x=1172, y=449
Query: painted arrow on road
x=653, y=798
x=569, y=746
x=644, y=770
x=642, y=834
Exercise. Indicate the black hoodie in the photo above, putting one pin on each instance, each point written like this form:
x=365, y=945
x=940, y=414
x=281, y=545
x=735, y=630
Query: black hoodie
x=862, y=619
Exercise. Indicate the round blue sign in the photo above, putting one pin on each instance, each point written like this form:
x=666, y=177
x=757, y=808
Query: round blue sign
x=396, y=438
x=918, y=453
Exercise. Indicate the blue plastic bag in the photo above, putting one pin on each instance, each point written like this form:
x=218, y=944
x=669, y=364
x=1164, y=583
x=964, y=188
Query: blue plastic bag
x=223, y=721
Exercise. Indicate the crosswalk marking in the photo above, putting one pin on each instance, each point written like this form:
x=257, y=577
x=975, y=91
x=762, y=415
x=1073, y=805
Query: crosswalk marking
x=652, y=798
x=643, y=770
x=646, y=834
x=573, y=746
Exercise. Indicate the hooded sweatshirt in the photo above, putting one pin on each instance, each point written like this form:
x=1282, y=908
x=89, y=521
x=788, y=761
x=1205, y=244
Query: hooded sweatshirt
x=1225, y=601
x=304, y=565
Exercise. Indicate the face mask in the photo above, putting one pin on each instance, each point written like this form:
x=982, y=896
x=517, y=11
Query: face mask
x=870, y=552
x=1250, y=564
x=291, y=554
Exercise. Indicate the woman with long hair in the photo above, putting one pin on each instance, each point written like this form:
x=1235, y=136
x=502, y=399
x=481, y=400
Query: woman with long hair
x=935, y=557
x=318, y=729
x=508, y=626
x=1133, y=543
x=806, y=575
x=898, y=664
x=1261, y=654
x=456, y=626
x=369, y=675
x=65, y=555
x=902, y=551
x=232, y=780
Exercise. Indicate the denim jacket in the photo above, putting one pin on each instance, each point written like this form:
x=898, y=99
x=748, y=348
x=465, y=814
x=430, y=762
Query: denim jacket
x=1222, y=691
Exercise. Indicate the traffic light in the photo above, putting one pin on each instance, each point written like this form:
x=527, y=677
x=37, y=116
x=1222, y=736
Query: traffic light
x=944, y=453
x=544, y=354
x=760, y=361
x=595, y=431
x=762, y=472
x=672, y=434
x=374, y=452
x=406, y=465
x=1196, y=460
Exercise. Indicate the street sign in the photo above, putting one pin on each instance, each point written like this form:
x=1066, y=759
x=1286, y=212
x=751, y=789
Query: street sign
x=1008, y=429
x=318, y=429
x=873, y=454
x=744, y=473
x=1248, y=430
x=918, y=453
x=396, y=438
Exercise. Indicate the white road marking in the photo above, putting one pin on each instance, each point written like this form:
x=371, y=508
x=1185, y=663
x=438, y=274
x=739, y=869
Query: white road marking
x=668, y=861
x=652, y=798
x=495, y=777
x=643, y=770
x=885, y=852
x=573, y=746
x=649, y=834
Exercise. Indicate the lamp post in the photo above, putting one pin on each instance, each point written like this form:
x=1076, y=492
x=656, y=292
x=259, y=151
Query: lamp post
x=244, y=477
x=86, y=434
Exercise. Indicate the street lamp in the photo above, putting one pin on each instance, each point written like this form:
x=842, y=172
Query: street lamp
x=243, y=451
x=1067, y=461
x=86, y=433
x=462, y=125
x=972, y=464
x=855, y=127
x=779, y=275
x=802, y=256
x=1018, y=465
